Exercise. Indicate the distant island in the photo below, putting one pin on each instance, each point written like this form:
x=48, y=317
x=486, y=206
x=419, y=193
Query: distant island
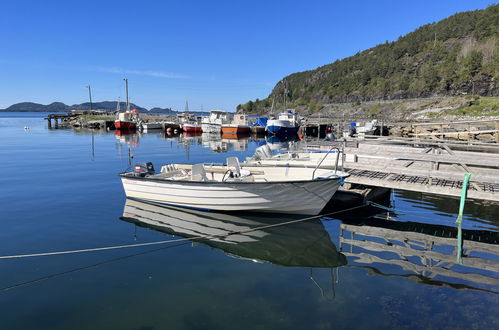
x=61, y=107
x=454, y=57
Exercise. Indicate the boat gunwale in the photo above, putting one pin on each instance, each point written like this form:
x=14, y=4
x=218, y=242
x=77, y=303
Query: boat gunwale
x=149, y=178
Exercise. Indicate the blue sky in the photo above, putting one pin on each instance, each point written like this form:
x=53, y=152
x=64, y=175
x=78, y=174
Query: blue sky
x=215, y=54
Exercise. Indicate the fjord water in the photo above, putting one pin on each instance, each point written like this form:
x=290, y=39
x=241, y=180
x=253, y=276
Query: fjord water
x=59, y=191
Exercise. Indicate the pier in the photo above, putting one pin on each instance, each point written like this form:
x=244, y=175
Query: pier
x=434, y=167
x=58, y=119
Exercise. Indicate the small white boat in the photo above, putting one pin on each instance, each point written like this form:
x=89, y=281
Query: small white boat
x=151, y=126
x=233, y=187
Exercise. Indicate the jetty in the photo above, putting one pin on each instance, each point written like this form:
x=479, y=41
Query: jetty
x=435, y=166
x=59, y=119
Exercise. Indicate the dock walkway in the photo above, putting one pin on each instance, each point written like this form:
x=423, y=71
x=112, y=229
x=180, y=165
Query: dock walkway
x=433, y=168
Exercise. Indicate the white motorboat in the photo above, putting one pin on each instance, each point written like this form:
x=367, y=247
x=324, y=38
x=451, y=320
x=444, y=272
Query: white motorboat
x=213, y=123
x=233, y=187
x=151, y=126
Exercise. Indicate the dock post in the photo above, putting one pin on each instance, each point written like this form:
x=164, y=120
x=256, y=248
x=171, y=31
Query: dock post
x=464, y=191
x=56, y=123
x=497, y=131
x=49, y=122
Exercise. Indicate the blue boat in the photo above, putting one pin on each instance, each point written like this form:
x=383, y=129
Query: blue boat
x=285, y=124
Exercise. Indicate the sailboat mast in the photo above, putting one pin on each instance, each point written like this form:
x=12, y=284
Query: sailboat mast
x=118, y=106
x=126, y=91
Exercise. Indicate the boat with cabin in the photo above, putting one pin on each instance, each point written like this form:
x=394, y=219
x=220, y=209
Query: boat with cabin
x=127, y=120
x=239, y=125
x=189, y=123
x=287, y=123
x=234, y=187
x=213, y=123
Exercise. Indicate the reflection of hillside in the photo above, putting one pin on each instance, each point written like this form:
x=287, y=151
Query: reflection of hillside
x=426, y=253
x=303, y=244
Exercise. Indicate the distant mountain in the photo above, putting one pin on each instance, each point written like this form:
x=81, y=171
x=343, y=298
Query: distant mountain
x=457, y=55
x=36, y=107
x=105, y=105
x=166, y=111
x=61, y=107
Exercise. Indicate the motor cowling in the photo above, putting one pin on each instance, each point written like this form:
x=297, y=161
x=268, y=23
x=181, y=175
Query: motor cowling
x=143, y=169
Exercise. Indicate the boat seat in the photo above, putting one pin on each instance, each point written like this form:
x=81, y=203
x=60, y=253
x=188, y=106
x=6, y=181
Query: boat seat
x=198, y=173
x=233, y=165
x=233, y=162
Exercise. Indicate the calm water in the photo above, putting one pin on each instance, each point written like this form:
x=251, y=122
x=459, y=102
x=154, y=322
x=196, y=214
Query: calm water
x=59, y=191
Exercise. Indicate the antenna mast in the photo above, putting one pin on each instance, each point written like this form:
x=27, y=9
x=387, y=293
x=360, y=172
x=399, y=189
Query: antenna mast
x=126, y=91
x=118, y=106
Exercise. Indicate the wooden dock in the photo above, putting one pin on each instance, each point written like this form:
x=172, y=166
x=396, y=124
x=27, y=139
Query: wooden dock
x=428, y=167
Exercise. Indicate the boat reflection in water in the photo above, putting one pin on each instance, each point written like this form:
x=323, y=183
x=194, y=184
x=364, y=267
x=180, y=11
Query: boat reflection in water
x=285, y=143
x=239, y=142
x=130, y=137
x=213, y=141
x=300, y=244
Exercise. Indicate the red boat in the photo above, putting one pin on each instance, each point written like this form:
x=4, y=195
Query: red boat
x=127, y=120
x=192, y=127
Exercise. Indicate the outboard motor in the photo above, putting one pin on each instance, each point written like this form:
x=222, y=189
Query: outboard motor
x=143, y=169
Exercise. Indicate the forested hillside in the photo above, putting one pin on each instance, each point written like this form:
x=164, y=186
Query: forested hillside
x=458, y=55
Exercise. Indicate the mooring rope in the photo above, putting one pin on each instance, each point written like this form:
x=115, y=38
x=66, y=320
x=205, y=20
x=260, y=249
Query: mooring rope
x=115, y=247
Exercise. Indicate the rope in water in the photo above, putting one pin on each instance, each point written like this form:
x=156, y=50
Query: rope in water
x=42, y=254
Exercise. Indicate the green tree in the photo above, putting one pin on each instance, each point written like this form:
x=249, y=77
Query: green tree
x=473, y=63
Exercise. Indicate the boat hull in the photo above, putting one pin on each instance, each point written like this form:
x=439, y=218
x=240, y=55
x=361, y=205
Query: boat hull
x=211, y=128
x=152, y=126
x=294, y=197
x=125, y=125
x=190, y=128
x=281, y=127
x=235, y=129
